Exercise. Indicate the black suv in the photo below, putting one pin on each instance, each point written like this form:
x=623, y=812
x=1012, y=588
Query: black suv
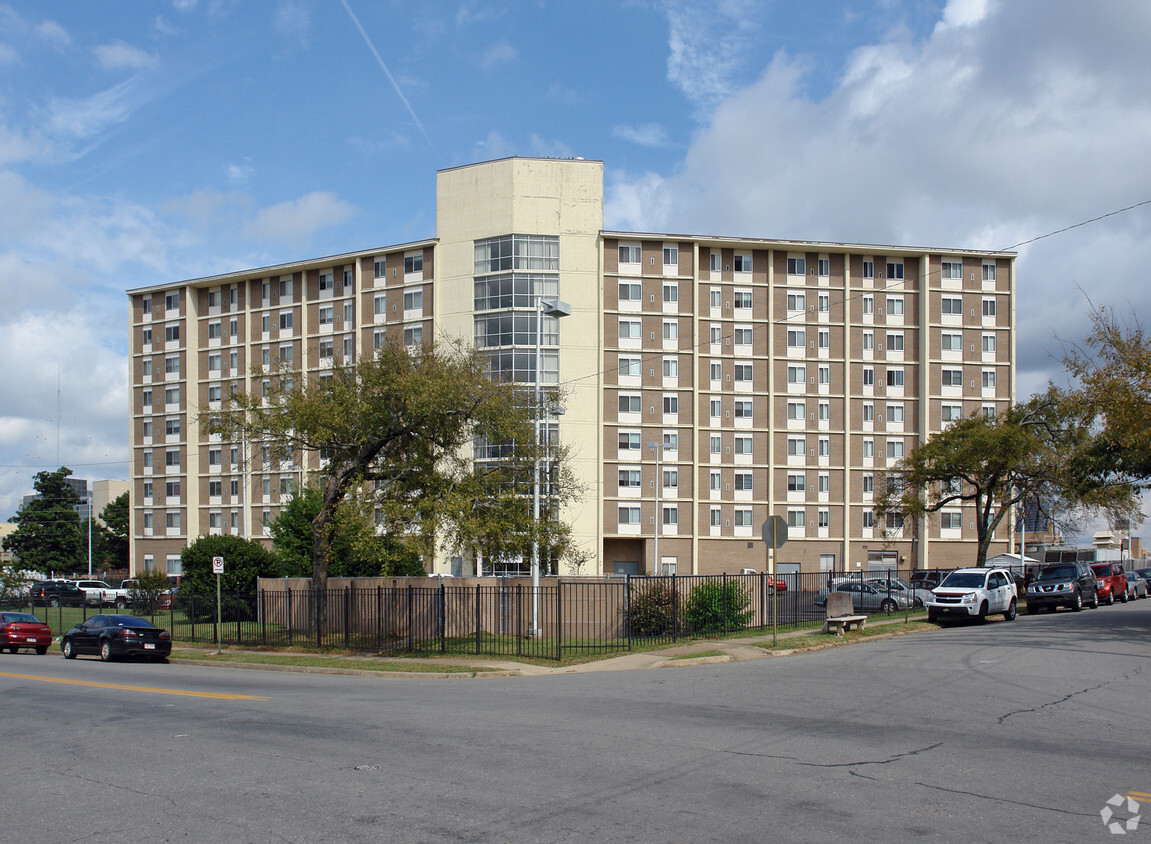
x=1062, y=585
x=57, y=593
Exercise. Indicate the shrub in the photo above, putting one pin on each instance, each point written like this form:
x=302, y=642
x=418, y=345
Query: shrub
x=652, y=608
x=714, y=605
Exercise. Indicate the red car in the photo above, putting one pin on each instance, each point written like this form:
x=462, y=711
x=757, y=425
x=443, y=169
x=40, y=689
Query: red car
x=1111, y=579
x=24, y=630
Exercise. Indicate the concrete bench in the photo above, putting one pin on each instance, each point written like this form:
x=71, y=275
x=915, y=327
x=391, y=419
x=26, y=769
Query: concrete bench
x=841, y=614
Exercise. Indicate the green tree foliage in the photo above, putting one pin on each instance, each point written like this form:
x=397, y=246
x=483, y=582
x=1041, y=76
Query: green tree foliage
x=48, y=536
x=114, y=533
x=1033, y=451
x=653, y=608
x=146, y=590
x=1113, y=371
x=397, y=429
x=358, y=550
x=13, y=585
x=714, y=606
x=245, y=560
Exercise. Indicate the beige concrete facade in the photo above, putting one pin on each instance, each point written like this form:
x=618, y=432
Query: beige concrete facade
x=745, y=377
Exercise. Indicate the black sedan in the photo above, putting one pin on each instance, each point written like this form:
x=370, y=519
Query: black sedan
x=113, y=636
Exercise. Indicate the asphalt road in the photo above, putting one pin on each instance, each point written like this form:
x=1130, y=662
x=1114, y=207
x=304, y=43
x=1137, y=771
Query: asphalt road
x=1018, y=731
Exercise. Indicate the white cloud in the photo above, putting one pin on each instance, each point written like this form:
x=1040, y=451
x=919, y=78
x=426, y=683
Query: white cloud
x=117, y=55
x=300, y=218
x=499, y=53
x=86, y=117
x=53, y=33
x=647, y=135
x=239, y=173
x=707, y=41
x=293, y=20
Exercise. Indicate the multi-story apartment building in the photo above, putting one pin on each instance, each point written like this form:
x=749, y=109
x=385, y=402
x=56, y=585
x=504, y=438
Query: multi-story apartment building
x=709, y=382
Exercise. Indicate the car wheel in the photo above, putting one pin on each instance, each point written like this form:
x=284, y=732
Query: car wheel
x=106, y=651
x=1077, y=602
x=1095, y=600
x=888, y=606
x=1110, y=598
x=41, y=649
x=69, y=651
x=13, y=649
x=982, y=617
x=1010, y=614
x=121, y=604
x=1124, y=598
x=1032, y=610
x=931, y=616
x=53, y=602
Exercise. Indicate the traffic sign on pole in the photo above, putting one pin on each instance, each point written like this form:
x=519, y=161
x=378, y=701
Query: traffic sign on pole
x=774, y=531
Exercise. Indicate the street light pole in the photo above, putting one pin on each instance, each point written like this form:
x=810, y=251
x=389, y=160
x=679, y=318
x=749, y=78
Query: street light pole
x=557, y=309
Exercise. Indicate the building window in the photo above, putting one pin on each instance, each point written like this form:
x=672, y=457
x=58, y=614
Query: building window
x=895, y=269
x=671, y=479
x=824, y=411
x=742, y=299
x=988, y=379
x=796, y=519
x=868, y=519
x=214, y=330
x=743, y=335
x=894, y=377
x=171, y=333
x=327, y=281
x=171, y=301
x=414, y=263
x=172, y=520
x=952, y=377
x=743, y=445
x=286, y=320
x=743, y=372
x=823, y=482
x=414, y=300
x=671, y=257
x=951, y=342
x=796, y=338
x=895, y=342
x=796, y=483
x=869, y=269
x=989, y=307
x=823, y=340
x=742, y=263
x=743, y=517
x=952, y=305
x=629, y=291
x=823, y=267
x=743, y=410
x=629, y=253
x=172, y=427
x=670, y=330
x=716, y=370
x=716, y=264
x=671, y=293
x=670, y=441
x=628, y=515
x=868, y=447
x=380, y=304
x=895, y=305
x=630, y=329
x=629, y=478
x=796, y=446
x=868, y=305
x=796, y=374
x=796, y=302
x=868, y=376
x=949, y=520
x=989, y=272
x=716, y=513
x=796, y=410
x=895, y=413
x=797, y=266
x=413, y=336
x=671, y=404
x=868, y=341
x=380, y=267
x=824, y=374
x=824, y=447
x=989, y=344
x=629, y=403
x=744, y=482
x=629, y=441
x=715, y=444
x=895, y=449
x=950, y=413
x=868, y=484
x=951, y=269
x=671, y=367
x=629, y=365
x=716, y=408
x=868, y=412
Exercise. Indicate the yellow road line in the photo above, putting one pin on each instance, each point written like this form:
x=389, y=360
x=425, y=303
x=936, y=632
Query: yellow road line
x=1139, y=795
x=215, y=695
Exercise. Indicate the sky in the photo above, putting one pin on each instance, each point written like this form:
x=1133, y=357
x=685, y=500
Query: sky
x=150, y=141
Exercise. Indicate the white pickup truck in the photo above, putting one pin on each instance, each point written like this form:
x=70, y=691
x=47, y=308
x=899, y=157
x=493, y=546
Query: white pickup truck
x=97, y=593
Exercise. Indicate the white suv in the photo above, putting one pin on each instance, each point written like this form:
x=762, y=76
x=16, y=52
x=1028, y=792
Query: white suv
x=974, y=593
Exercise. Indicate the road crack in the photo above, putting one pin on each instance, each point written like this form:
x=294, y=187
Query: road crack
x=893, y=758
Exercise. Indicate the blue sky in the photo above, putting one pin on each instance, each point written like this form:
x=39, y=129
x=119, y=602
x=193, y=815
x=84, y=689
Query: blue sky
x=143, y=142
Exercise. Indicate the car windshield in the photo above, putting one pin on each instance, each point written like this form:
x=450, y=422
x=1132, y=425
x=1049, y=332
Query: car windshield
x=1058, y=573
x=963, y=580
x=21, y=617
x=128, y=621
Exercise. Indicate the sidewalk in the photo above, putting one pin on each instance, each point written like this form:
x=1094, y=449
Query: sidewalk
x=730, y=650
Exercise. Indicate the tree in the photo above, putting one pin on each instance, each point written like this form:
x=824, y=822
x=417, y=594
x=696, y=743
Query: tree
x=14, y=584
x=48, y=536
x=146, y=589
x=396, y=430
x=245, y=560
x=114, y=547
x=358, y=549
x=1035, y=451
x=1113, y=370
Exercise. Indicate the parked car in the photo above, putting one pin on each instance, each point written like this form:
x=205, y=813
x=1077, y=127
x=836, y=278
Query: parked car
x=1136, y=586
x=917, y=595
x=866, y=597
x=113, y=636
x=24, y=630
x=1063, y=585
x=57, y=593
x=1146, y=575
x=96, y=592
x=974, y=593
x=1110, y=581
x=928, y=578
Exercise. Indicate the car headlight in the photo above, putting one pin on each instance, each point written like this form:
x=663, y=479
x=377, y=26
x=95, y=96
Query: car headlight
x=970, y=598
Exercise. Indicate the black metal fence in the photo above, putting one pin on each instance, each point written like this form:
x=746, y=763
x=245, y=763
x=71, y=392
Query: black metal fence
x=505, y=618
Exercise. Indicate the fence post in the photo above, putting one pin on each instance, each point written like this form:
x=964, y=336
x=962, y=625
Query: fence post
x=410, y=640
x=559, y=620
x=442, y=611
x=379, y=618
x=288, y=613
x=674, y=608
x=477, y=619
x=519, y=616
x=627, y=607
x=320, y=631
x=347, y=618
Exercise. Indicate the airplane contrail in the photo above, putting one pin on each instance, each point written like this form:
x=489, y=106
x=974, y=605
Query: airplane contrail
x=391, y=78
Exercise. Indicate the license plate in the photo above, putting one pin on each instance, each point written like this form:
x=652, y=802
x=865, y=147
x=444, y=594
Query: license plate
x=148, y=646
x=31, y=639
